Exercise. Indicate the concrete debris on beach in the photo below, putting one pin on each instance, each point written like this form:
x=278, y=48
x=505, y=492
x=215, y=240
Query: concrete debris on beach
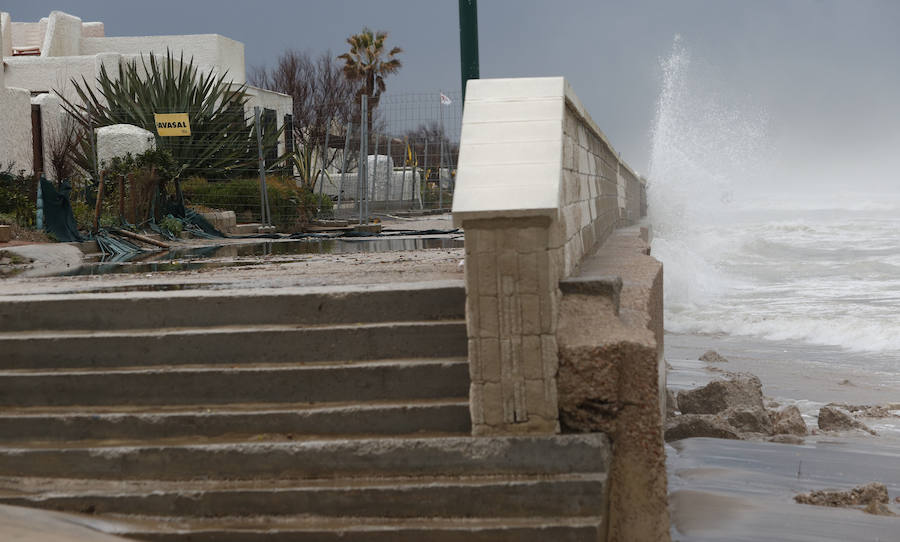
x=891, y=410
x=712, y=356
x=835, y=419
x=740, y=391
x=731, y=408
x=873, y=497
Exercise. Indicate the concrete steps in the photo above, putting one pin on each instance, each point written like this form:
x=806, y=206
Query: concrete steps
x=570, y=495
x=321, y=383
x=284, y=420
x=410, y=456
x=227, y=345
x=309, y=529
x=295, y=414
x=435, y=301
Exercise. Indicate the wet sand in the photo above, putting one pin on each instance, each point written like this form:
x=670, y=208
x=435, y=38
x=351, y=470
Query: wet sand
x=725, y=490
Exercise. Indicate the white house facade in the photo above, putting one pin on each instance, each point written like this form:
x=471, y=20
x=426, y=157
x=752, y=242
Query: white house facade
x=41, y=58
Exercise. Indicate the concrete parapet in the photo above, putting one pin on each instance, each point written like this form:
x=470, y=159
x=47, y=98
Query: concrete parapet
x=538, y=188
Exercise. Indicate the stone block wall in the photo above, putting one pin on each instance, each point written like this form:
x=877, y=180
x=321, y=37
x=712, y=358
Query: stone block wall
x=512, y=338
x=537, y=191
x=633, y=187
x=589, y=190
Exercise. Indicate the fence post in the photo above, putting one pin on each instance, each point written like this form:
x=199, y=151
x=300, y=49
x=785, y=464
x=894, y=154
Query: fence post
x=364, y=159
x=425, y=169
x=390, y=176
x=322, y=171
x=343, y=168
x=441, y=158
x=375, y=172
x=403, y=178
x=265, y=217
x=39, y=205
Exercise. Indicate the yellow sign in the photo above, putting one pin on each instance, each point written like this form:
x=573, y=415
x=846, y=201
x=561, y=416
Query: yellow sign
x=172, y=124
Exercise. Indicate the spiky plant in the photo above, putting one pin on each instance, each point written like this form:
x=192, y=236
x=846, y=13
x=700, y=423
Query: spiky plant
x=221, y=144
x=366, y=62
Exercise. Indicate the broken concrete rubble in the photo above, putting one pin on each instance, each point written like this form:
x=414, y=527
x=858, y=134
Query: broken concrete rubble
x=789, y=421
x=699, y=425
x=835, y=419
x=742, y=390
x=711, y=356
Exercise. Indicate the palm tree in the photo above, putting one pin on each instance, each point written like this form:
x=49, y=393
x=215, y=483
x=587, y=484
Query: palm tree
x=366, y=62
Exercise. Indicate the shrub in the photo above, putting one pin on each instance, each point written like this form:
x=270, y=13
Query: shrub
x=172, y=225
x=291, y=205
x=15, y=196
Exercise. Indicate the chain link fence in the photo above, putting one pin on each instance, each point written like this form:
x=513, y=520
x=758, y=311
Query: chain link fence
x=401, y=159
x=356, y=162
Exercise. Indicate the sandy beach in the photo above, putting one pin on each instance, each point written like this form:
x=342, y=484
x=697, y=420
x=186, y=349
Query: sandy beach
x=727, y=490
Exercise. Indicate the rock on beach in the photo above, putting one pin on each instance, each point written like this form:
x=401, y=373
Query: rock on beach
x=834, y=419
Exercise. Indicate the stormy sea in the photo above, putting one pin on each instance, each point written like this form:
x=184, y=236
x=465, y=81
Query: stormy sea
x=793, y=281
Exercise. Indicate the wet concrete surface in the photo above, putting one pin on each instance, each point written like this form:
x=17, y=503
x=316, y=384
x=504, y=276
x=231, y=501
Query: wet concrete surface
x=254, y=253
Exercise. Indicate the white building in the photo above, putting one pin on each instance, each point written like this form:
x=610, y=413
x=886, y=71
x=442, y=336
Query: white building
x=40, y=58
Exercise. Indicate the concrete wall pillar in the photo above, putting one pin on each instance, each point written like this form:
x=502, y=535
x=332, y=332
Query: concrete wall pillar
x=511, y=305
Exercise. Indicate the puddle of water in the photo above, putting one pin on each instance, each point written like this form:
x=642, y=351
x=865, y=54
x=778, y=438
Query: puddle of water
x=209, y=257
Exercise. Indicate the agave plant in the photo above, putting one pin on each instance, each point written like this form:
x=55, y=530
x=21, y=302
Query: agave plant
x=221, y=144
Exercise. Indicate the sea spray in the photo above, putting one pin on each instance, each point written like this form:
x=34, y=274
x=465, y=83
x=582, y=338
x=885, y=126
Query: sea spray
x=824, y=270
x=703, y=148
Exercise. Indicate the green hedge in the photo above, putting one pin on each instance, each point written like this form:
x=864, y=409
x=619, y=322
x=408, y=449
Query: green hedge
x=291, y=206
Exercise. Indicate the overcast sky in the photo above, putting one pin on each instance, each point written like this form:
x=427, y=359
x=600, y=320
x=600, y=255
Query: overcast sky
x=824, y=72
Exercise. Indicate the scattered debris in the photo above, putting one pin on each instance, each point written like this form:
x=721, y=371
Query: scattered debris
x=711, y=356
x=787, y=439
x=868, y=411
x=699, y=425
x=878, y=509
x=873, y=496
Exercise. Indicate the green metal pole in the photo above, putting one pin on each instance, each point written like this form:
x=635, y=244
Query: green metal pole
x=468, y=42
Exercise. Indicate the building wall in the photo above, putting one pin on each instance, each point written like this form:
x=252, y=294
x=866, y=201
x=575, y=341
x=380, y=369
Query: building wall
x=63, y=35
x=282, y=104
x=5, y=37
x=29, y=34
x=15, y=129
x=40, y=74
x=209, y=51
x=15, y=120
